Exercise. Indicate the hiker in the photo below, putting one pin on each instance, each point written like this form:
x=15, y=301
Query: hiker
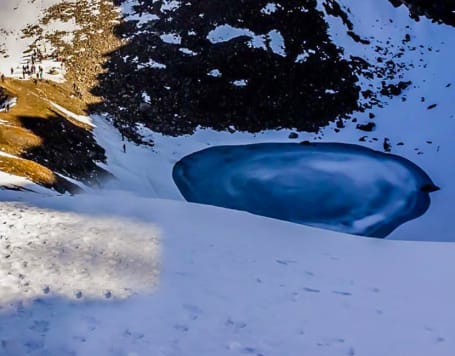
x=7, y=107
x=12, y=70
x=124, y=148
x=3, y=78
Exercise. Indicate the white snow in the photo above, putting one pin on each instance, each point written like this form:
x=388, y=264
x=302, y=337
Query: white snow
x=16, y=16
x=81, y=118
x=171, y=38
x=230, y=284
x=10, y=101
x=90, y=252
x=127, y=8
x=151, y=64
x=215, y=73
x=270, y=8
x=273, y=40
x=240, y=83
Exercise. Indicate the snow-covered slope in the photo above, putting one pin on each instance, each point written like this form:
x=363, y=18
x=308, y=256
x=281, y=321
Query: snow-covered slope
x=16, y=18
x=232, y=284
x=422, y=135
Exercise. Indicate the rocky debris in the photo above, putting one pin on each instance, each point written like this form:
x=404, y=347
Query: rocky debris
x=386, y=145
x=293, y=135
x=84, y=55
x=194, y=81
x=394, y=89
x=440, y=11
x=340, y=123
x=306, y=143
x=368, y=127
x=174, y=74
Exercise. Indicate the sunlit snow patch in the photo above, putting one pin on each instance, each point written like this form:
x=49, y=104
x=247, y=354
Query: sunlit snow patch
x=74, y=256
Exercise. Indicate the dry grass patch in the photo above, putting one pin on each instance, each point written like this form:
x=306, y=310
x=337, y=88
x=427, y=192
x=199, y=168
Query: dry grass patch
x=47, y=140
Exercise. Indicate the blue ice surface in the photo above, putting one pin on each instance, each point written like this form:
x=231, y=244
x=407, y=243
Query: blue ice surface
x=341, y=187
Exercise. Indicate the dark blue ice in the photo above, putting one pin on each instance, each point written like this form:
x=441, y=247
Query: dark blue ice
x=347, y=188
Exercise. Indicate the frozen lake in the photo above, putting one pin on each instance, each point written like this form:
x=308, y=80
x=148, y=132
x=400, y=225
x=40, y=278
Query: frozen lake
x=341, y=187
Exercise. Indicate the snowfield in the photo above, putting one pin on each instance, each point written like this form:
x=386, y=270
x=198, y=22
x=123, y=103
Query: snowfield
x=231, y=283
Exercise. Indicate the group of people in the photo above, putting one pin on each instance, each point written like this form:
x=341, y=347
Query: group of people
x=31, y=70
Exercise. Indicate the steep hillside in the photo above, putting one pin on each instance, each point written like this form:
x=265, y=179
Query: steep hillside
x=240, y=66
x=56, y=61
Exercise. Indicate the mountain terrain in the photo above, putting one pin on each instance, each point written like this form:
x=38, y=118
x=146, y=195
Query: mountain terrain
x=101, y=102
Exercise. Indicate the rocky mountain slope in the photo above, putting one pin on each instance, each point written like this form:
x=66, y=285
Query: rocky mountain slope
x=176, y=67
x=67, y=41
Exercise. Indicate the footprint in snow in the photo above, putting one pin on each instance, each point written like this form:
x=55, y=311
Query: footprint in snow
x=341, y=293
x=193, y=310
x=181, y=327
x=311, y=290
x=41, y=326
x=236, y=325
x=285, y=262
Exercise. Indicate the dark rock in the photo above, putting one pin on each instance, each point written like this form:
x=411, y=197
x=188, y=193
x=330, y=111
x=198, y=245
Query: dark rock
x=394, y=89
x=185, y=96
x=366, y=127
x=432, y=106
x=293, y=135
x=386, y=145
x=429, y=188
x=440, y=11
